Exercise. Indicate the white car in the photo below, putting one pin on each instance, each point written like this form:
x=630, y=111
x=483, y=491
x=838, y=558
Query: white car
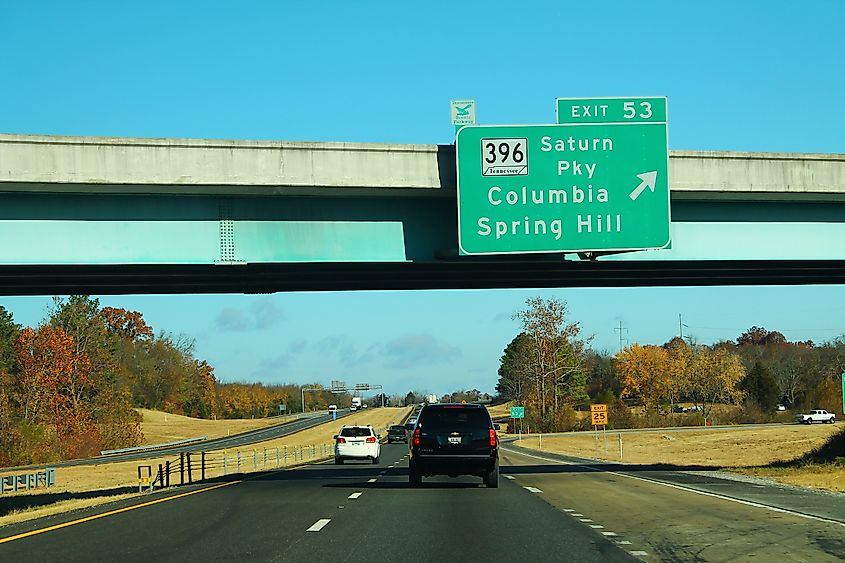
x=356, y=442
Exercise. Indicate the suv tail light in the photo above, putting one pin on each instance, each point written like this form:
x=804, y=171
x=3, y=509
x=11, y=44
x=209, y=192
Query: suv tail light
x=371, y=440
x=493, y=441
x=416, y=441
x=341, y=440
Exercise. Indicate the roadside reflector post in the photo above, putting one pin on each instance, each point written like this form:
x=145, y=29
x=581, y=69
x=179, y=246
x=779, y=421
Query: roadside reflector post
x=620, y=446
x=265, y=457
x=540, y=441
x=239, y=461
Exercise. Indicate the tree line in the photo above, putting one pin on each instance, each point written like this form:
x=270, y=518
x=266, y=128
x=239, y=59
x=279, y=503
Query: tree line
x=549, y=368
x=69, y=387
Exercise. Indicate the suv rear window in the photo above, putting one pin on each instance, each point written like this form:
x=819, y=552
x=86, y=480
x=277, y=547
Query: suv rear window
x=355, y=432
x=397, y=429
x=442, y=420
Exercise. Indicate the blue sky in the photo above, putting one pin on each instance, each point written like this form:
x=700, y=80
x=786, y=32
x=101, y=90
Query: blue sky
x=739, y=76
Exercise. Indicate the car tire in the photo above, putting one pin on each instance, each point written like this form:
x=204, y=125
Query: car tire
x=338, y=461
x=491, y=479
x=375, y=460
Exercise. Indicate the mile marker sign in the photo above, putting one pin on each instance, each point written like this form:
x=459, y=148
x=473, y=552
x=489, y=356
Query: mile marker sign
x=586, y=184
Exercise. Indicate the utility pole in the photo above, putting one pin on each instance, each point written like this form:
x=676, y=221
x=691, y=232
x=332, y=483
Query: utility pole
x=622, y=330
x=681, y=326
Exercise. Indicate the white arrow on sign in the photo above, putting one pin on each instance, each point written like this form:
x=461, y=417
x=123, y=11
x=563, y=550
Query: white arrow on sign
x=648, y=181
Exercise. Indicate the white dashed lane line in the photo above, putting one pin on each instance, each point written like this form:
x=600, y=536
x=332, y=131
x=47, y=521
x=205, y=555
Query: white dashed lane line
x=372, y=480
x=639, y=553
x=355, y=495
x=319, y=525
x=533, y=489
x=511, y=477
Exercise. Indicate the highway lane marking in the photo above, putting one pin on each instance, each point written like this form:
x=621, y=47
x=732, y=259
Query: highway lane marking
x=533, y=489
x=355, y=495
x=577, y=514
x=609, y=534
x=511, y=477
x=568, y=510
x=596, y=526
x=112, y=513
x=585, y=520
x=372, y=480
x=319, y=525
x=690, y=490
x=640, y=553
x=624, y=542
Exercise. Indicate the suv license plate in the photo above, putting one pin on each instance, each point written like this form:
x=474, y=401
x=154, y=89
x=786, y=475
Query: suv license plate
x=454, y=439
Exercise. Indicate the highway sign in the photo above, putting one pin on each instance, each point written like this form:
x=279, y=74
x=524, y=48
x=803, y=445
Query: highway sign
x=572, y=187
x=598, y=415
x=463, y=112
x=517, y=412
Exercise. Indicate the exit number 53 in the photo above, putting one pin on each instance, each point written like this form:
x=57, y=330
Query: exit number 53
x=631, y=108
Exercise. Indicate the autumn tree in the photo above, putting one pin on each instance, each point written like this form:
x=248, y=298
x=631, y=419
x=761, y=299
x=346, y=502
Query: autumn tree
x=553, y=373
x=646, y=373
x=55, y=388
x=713, y=376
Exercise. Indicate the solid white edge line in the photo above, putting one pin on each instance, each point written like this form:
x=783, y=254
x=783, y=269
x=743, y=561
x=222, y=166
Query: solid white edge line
x=319, y=525
x=682, y=488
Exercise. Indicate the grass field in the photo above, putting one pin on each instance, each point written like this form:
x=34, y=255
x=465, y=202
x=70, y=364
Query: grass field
x=74, y=485
x=745, y=451
x=161, y=427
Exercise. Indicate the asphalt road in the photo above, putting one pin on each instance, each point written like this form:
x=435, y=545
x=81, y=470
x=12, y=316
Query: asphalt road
x=544, y=510
x=267, y=519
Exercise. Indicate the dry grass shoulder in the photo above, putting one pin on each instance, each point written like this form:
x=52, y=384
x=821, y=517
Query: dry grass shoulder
x=161, y=427
x=744, y=450
x=302, y=447
x=499, y=411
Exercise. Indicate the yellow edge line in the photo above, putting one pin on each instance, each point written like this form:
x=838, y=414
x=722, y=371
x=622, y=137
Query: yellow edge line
x=111, y=513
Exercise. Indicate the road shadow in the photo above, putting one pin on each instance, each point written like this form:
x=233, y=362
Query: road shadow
x=12, y=503
x=591, y=467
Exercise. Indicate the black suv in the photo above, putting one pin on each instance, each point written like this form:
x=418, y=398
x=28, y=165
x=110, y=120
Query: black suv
x=454, y=439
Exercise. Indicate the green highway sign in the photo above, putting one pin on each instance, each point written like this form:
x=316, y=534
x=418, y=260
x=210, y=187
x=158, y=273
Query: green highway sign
x=517, y=412
x=571, y=187
x=611, y=110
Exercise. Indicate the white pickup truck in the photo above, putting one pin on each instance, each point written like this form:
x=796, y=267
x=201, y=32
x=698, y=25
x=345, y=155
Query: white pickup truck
x=817, y=415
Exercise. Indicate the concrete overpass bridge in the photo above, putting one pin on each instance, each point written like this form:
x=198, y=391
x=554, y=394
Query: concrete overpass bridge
x=122, y=215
